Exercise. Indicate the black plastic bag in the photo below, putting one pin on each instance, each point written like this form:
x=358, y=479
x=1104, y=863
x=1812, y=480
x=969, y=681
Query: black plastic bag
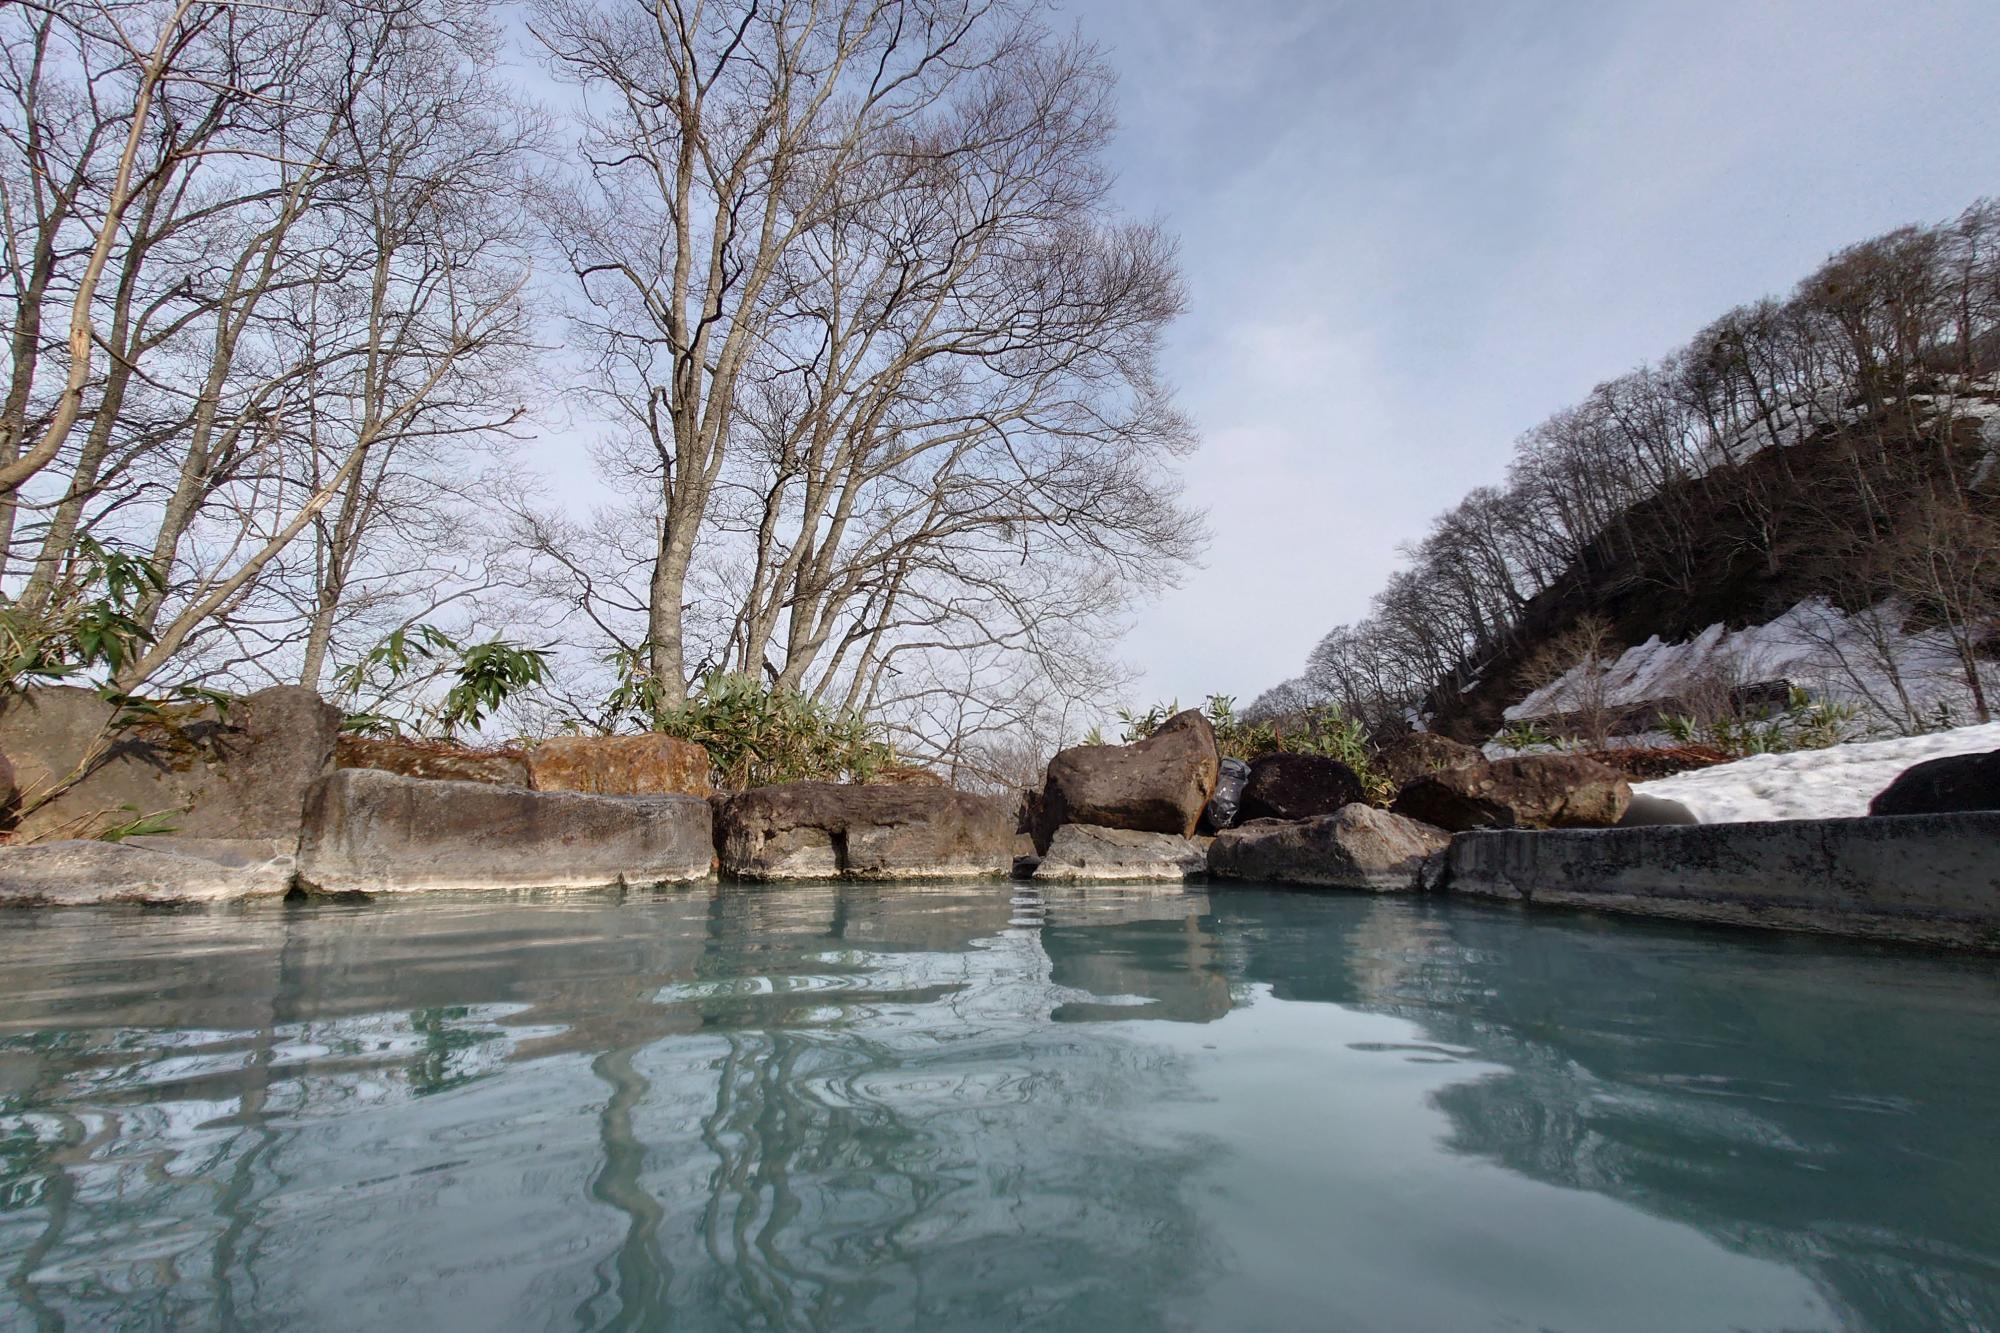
x=1223, y=807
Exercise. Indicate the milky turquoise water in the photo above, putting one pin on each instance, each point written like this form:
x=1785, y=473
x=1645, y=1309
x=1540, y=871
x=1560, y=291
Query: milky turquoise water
x=986, y=1107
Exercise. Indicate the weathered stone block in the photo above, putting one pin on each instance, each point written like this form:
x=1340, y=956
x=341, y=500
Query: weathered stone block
x=372, y=832
x=1357, y=847
x=1080, y=852
x=433, y=759
x=645, y=765
x=79, y=873
x=1928, y=878
x=824, y=830
x=242, y=773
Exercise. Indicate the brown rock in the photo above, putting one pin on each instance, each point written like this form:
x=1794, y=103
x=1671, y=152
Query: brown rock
x=1158, y=785
x=241, y=772
x=1644, y=764
x=1297, y=786
x=1527, y=791
x=644, y=765
x=1357, y=847
x=1415, y=754
x=824, y=830
x=437, y=760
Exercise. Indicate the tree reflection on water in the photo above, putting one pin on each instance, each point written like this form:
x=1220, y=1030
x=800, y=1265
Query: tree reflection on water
x=878, y=1106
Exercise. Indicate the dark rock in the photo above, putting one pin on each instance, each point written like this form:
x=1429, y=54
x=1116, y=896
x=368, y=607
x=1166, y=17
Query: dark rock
x=368, y=831
x=1298, y=786
x=1415, y=754
x=1941, y=786
x=1226, y=806
x=1357, y=847
x=241, y=772
x=76, y=873
x=1527, y=791
x=824, y=830
x=437, y=760
x=643, y=765
x=1028, y=814
x=1091, y=852
x=1158, y=785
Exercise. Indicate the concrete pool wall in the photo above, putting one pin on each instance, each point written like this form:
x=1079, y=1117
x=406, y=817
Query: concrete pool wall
x=1932, y=879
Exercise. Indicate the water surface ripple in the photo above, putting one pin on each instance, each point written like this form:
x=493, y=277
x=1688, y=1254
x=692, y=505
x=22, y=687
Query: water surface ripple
x=986, y=1107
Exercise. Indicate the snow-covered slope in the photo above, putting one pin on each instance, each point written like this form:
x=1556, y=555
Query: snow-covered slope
x=1895, y=678
x=1811, y=784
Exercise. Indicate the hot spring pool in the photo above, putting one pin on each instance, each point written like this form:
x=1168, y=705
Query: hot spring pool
x=984, y=1107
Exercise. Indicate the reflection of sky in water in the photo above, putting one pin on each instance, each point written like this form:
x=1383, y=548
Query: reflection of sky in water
x=978, y=1107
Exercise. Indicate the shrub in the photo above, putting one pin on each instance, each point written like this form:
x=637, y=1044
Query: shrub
x=756, y=734
x=483, y=677
x=1322, y=731
x=1803, y=724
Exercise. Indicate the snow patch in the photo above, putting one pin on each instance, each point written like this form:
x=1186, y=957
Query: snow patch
x=1898, y=680
x=1811, y=784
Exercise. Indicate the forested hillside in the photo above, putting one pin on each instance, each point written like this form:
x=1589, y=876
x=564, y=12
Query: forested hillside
x=1834, y=455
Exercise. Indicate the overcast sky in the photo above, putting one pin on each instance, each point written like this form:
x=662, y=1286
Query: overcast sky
x=1410, y=231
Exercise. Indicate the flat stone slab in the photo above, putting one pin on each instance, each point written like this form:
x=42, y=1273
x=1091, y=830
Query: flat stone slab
x=368, y=831
x=88, y=873
x=1085, y=852
x=1356, y=847
x=1932, y=879
x=826, y=830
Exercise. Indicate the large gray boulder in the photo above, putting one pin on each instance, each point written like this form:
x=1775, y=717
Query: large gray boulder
x=1357, y=847
x=825, y=830
x=242, y=772
x=1952, y=783
x=1297, y=786
x=1086, y=852
x=82, y=873
x=1527, y=791
x=1158, y=785
x=368, y=831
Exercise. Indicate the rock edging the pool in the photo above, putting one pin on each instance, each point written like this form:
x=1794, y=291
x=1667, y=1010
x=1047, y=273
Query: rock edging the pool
x=266, y=800
x=1929, y=878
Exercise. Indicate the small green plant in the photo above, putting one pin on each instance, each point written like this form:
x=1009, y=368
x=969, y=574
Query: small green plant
x=483, y=675
x=756, y=733
x=1318, y=731
x=88, y=624
x=1804, y=723
x=1520, y=736
x=139, y=826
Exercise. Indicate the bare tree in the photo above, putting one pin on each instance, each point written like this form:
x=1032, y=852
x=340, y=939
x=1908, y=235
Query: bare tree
x=877, y=346
x=303, y=265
